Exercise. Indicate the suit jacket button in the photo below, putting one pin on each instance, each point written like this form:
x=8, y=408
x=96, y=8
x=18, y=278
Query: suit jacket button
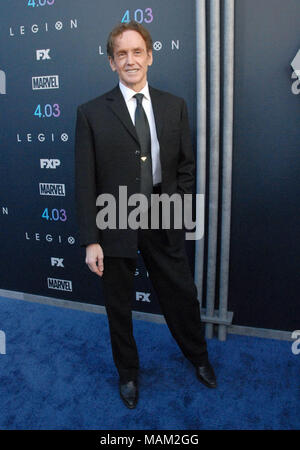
x=137, y=179
x=137, y=152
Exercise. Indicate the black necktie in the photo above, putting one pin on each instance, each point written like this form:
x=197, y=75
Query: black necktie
x=143, y=132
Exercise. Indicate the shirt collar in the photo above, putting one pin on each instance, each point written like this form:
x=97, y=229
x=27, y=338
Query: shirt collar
x=129, y=93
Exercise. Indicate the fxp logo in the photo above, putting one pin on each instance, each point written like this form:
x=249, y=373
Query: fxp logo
x=2, y=82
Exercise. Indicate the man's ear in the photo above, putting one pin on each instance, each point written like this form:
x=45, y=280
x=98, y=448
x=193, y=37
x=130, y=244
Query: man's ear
x=150, y=57
x=112, y=63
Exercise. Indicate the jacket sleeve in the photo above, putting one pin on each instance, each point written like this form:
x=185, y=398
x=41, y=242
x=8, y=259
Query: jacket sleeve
x=85, y=181
x=186, y=163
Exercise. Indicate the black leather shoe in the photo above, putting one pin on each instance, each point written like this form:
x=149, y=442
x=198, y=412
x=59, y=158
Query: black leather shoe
x=205, y=374
x=129, y=393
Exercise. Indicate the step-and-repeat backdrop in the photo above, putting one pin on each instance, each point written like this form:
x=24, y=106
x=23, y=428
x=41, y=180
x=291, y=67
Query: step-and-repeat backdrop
x=265, y=239
x=53, y=58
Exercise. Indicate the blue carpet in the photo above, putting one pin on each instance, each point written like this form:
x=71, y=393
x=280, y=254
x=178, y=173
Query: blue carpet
x=58, y=373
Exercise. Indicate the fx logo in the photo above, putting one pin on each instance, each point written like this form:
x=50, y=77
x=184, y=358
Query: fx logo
x=49, y=163
x=143, y=297
x=58, y=262
x=295, y=348
x=2, y=82
x=43, y=54
x=2, y=343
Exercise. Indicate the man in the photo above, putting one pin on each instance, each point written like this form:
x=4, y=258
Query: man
x=138, y=137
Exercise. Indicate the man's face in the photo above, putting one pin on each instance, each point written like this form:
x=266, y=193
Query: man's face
x=131, y=59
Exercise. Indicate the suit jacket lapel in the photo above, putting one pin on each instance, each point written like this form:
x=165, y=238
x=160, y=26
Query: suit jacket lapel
x=158, y=106
x=116, y=102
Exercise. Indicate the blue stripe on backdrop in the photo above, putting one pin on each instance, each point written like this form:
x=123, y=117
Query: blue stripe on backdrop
x=58, y=373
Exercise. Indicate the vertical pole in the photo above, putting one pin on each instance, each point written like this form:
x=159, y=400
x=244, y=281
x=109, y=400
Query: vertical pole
x=227, y=160
x=214, y=141
x=201, y=132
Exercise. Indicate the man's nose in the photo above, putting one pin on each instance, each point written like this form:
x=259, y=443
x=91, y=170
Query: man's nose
x=130, y=59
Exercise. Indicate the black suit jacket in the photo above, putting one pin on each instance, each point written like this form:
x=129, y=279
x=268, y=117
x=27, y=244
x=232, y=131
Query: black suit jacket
x=107, y=156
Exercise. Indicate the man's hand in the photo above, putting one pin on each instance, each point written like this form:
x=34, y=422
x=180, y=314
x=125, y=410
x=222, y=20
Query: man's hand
x=94, y=259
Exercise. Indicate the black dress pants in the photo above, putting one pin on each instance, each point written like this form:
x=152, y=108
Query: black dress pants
x=170, y=274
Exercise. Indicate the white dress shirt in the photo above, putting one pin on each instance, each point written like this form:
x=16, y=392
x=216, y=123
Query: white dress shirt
x=130, y=101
